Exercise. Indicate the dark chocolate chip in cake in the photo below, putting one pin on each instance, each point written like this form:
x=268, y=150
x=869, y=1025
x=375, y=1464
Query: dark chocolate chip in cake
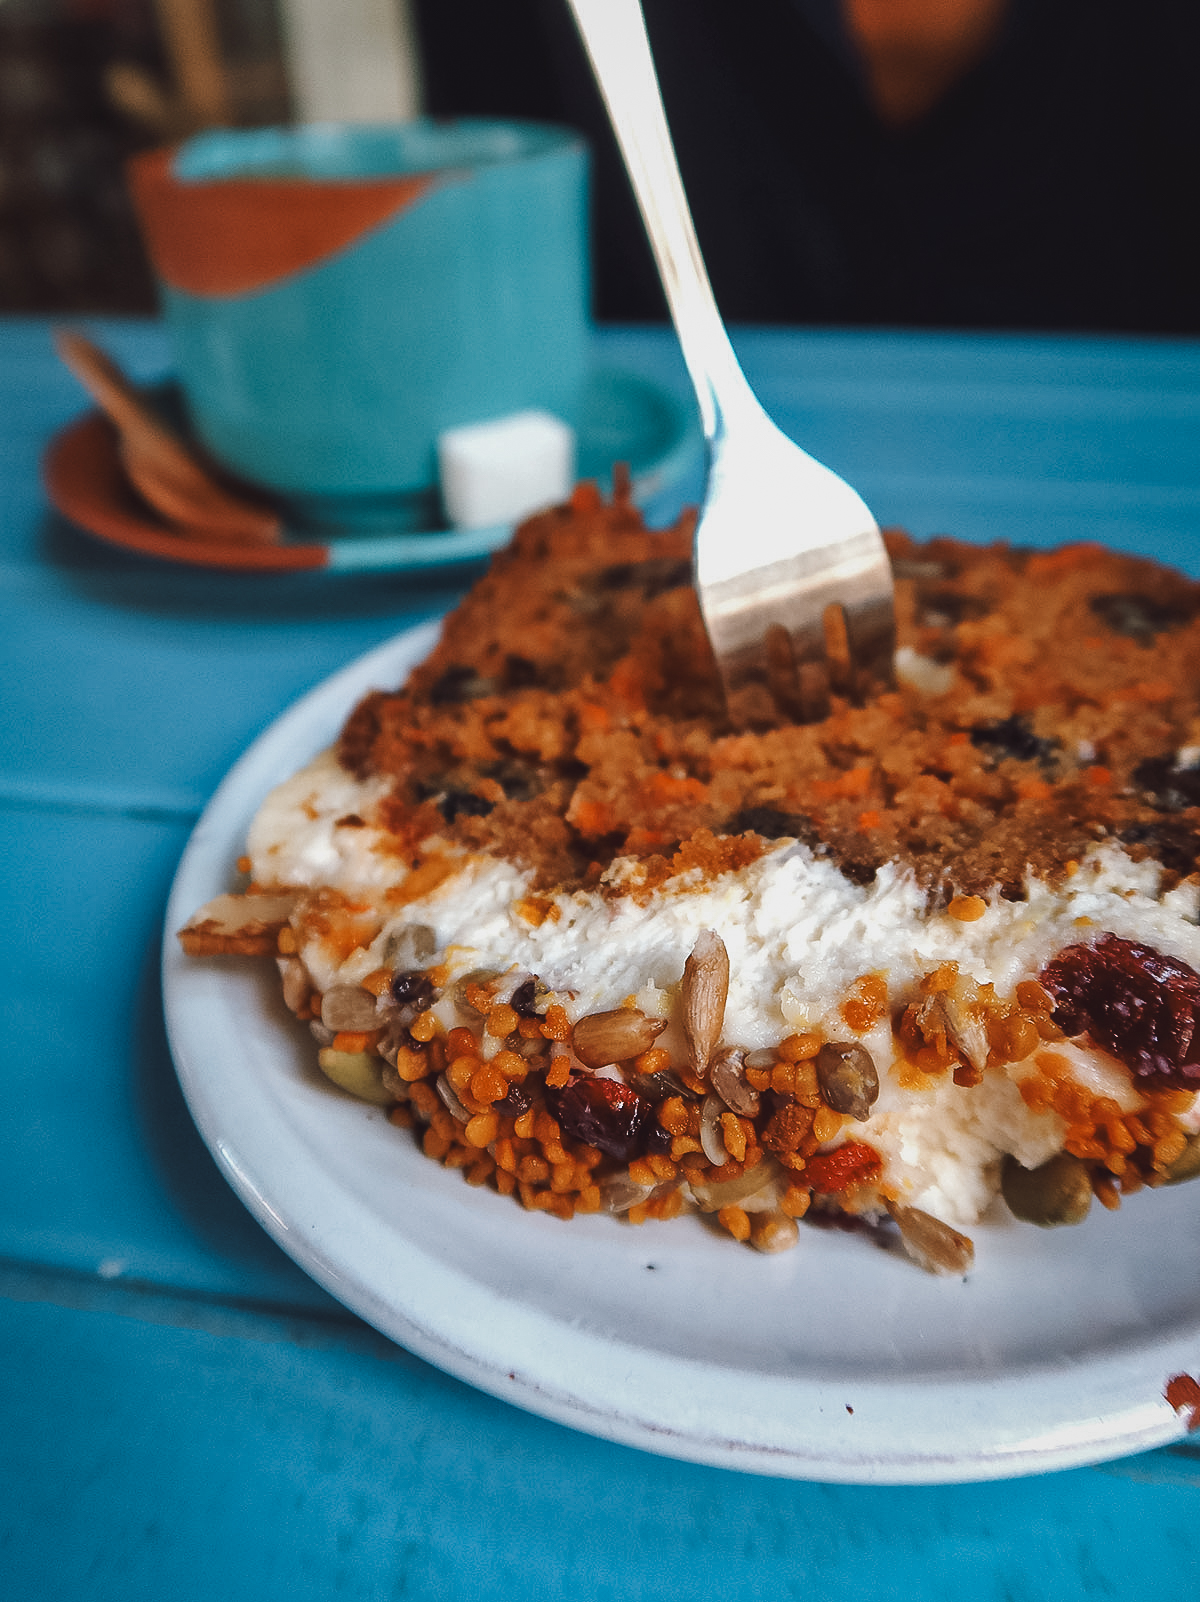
x=519, y=780
x=770, y=822
x=521, y=674
x=462, y=804
x=1166, y=786
x=460, y=682
x=1175, y=844
x=1138, y=617
x=942, y=609
x=1013, y=737
x=653, y=577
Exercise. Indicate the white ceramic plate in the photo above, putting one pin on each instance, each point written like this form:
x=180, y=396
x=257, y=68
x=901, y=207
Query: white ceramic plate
x=836, y=1361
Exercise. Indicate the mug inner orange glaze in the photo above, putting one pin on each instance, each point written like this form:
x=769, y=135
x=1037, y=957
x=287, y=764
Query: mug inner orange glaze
x=235, y=235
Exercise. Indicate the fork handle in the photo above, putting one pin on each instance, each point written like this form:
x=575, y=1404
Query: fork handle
x=614, y=35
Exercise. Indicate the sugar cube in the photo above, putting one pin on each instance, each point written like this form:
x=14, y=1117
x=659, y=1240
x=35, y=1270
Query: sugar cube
x=503, y=470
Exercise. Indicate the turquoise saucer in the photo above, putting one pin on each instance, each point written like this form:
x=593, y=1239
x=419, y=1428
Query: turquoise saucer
x=627, y=419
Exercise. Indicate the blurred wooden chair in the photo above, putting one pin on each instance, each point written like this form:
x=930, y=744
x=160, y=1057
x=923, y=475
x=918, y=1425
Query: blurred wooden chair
x=336, y=60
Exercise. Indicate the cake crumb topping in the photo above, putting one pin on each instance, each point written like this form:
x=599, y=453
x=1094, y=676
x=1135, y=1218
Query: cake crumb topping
x=571, y=717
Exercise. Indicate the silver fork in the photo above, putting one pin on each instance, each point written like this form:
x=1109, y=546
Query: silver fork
x=793, y=578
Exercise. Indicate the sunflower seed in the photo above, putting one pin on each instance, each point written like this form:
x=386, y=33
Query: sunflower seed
x=727, y=1074
x=703, y=992
x=618, y=1193
x=607, y=1037
x=931, y=1243
x=450, y=1100
x=294, y=982
x=712, y=1140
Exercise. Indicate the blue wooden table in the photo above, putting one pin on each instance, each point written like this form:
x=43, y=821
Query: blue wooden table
x=183, y=1414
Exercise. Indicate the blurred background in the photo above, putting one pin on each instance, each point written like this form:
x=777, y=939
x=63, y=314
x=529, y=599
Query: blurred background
x=85, y=83
x=1025, y=164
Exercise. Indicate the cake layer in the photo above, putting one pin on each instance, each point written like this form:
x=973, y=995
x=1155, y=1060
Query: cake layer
x=602, y=951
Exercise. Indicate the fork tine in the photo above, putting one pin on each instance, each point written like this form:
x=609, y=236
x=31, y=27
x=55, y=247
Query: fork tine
x=780, y=538
x=871, y=628
x=746, y=611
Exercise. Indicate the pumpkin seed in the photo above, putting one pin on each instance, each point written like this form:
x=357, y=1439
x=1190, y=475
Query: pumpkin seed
x=848, y=1079
x=458, y=991
x=359, y=1072
x=392, y=1083
x=410, y=946
x=1059, y=1192
x=1187, y=1165
x=348, y=1007
x=657, y=1087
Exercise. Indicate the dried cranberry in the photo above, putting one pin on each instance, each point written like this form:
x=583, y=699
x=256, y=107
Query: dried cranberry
x=1139, y=1005
x=515, y=1103
x=522, y=999
x=1183, y=1393
x=846, y=1165
x=608, y=1115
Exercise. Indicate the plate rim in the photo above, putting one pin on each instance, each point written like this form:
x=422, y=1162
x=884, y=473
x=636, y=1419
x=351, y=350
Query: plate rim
x=1120, y=1408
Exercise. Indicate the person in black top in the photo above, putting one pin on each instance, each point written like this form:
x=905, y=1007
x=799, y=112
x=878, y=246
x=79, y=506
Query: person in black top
x=1041, y=172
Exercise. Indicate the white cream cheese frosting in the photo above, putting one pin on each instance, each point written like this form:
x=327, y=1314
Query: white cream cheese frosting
x=799, y=934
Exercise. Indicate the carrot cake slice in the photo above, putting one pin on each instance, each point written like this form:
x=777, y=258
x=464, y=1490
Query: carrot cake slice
x=930, y=959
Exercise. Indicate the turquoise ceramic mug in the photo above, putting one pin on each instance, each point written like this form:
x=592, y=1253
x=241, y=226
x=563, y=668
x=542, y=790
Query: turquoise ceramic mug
x=339, y=295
